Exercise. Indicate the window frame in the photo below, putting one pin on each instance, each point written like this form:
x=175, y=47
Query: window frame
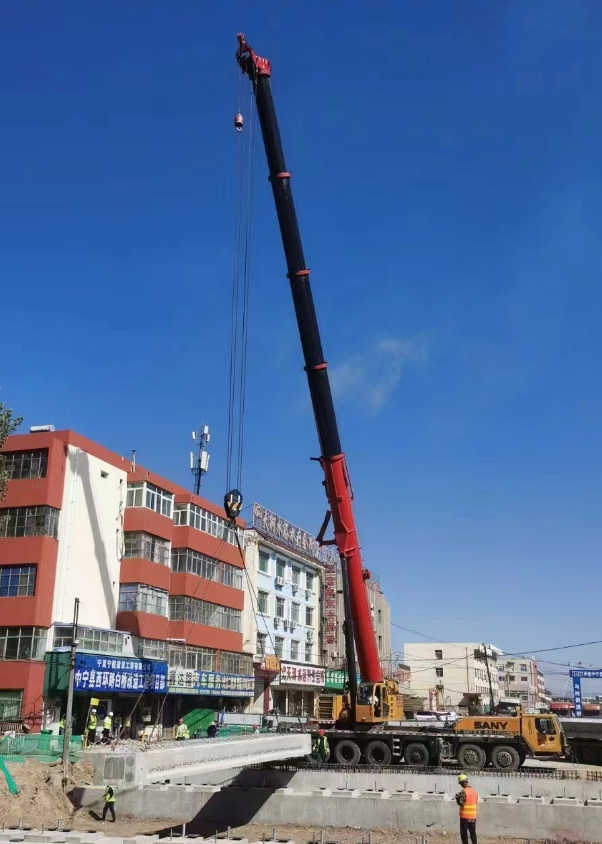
x=261, y=594
x=9, y=460
x=18, y=570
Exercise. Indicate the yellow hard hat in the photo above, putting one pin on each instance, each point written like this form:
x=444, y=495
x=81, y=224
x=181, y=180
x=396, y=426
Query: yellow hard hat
x=462, y=778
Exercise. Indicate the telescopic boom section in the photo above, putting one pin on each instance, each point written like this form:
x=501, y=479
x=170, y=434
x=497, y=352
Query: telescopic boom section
x=338, y=488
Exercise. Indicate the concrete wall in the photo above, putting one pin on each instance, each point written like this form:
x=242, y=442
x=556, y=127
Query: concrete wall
x=90, y=539
x=208, y=808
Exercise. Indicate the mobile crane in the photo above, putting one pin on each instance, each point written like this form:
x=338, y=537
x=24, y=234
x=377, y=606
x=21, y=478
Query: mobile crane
x=364, y=717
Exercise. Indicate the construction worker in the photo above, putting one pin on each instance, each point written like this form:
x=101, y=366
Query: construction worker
x=467, y=800
x=107, y=725
x=92, y=724
x=321, y=748
x=62, y=723
x=182, y=731
x=212, y=730
x=109, y=805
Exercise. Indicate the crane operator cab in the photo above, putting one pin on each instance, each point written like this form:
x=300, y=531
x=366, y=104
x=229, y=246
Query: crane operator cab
x=378, y=702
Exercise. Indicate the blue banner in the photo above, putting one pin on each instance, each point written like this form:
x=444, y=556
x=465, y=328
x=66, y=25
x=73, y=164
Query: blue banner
x=187, y=682
x=119, y=674
x=592, y=673
x=577, y=697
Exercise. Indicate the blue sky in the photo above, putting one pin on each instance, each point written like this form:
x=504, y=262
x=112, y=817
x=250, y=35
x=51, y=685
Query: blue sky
x=447, y=177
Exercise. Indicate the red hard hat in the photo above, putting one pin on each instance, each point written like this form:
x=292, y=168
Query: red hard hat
x=321, y=732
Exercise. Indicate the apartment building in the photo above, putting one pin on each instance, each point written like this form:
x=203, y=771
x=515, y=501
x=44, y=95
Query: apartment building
x=454, y=674
x=281, y=621
x=157, y=573
x=522, y=679
x=333, y=616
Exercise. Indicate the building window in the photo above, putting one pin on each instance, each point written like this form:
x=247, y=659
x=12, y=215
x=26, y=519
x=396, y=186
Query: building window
x=261, y=643
x=279, y=646
x=24, y=465
x=138, y=597
x=146, y=547
x=143, y=494
x=192, y=659
x=263, y=602
x=201, y=519
x=296, y=576
x=380, y=643
x=10, y=705
x=295, y=650
x=309, y=616
x=523, y=667
x=264, y=562
x=308, y=651
x=524, y=697
x=29, y=521
x=524, y=679
x=185, y=560
x=438, y=654
x=280, y=607
x=182, y=608
x=17, y=581
x=380, y=617
x=439, y=672
x=153, y=649
x=231, y=662
x=295, y=612
x=90, y=639
x=22, y=642
x=511, y=678
x=309, y=581
x=279, y=568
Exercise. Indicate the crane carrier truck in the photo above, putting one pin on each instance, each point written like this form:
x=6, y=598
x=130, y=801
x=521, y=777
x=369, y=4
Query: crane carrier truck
x=363, y=719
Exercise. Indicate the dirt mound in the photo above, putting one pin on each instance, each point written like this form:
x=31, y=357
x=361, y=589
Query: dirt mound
x=41, y=798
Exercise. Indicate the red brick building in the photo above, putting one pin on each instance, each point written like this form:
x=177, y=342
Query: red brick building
x=157, y=570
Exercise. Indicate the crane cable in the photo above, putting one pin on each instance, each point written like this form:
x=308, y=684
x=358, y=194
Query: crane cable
x=241, y=277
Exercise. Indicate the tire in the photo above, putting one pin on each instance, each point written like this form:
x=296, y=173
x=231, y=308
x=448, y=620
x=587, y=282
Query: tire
x=346, y=752
x=472, y=757
x=377, y=753
x=417, y=755
x=505, y=758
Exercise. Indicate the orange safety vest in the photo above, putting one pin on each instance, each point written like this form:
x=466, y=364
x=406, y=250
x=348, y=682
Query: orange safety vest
x=468, y=811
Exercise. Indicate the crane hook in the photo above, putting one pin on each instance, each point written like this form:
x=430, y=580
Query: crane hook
x=238, y=122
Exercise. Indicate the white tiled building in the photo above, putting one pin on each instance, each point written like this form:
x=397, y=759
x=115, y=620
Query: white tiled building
x=282, y=615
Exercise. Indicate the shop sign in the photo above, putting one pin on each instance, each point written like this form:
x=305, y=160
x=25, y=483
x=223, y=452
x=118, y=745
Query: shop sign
x=187, y=682
x=119, y=674
x=296, y=539
x=270, y=663
x=302, y=675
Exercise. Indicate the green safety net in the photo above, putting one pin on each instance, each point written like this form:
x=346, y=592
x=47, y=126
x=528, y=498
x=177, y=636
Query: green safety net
x=12, y=785
x=44, y=747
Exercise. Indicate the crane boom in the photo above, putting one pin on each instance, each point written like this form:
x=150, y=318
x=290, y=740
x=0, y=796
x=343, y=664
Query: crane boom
x=332, y=459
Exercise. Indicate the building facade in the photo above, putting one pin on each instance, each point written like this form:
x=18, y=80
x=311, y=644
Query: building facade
x=453, y=676
x=157, y=573
x=522, y=679
x=334, y=613
x=282, y=619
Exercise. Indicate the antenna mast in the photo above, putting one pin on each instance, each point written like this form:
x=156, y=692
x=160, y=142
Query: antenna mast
x=199, y=461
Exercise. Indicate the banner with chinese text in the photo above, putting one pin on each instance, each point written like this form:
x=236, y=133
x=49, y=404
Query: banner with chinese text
x=119, y=674
x=302, y=675
x=187, y=682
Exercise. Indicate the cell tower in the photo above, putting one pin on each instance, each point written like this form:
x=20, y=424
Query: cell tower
x=199, y=460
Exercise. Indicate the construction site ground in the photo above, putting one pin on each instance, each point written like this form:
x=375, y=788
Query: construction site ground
x=43, y=799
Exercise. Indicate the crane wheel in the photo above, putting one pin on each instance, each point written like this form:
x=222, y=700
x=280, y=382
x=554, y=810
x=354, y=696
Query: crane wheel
x=377, y=753
x=472, y=757
x=505, y=758
x=417, y=754
x=347, y=752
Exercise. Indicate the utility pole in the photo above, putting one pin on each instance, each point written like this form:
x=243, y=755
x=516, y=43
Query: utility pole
x=69, y=714
x=489, y=679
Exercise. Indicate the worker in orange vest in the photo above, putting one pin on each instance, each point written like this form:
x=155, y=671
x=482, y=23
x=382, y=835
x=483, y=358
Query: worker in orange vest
x=467, y=800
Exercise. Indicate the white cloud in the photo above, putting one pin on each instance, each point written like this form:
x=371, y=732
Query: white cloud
x=372, y=377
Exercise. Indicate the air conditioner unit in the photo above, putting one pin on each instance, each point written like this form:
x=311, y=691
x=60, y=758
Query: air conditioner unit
x=295, y=588
x=293, y=625
x=308, y=594
x=279, y=581
x=276, y=621
x=310, y=635
x=285, y=624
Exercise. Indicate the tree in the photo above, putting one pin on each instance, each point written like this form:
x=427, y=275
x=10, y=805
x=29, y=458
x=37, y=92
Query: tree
x=8, y=426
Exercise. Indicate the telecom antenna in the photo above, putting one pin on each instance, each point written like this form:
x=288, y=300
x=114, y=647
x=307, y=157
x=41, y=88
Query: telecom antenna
x=199, y=461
